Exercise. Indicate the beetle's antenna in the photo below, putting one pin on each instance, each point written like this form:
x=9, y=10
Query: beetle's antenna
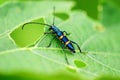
x=34, y=23
x=53, y=15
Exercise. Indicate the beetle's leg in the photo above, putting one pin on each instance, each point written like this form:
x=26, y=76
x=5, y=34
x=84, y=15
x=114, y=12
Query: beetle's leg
x=77, y=46
x=50, y=32
x=65, y=54
x=51, y=41
x=66, y=33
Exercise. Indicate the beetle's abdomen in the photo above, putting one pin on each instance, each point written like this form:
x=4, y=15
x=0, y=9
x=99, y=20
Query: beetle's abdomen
x=67, y=43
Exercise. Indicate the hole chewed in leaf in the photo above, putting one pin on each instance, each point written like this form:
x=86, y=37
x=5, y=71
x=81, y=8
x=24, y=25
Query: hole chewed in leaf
x=29, y=35
x=79, y=64
x=63, y=16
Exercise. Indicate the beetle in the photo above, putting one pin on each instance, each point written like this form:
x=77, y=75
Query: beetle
x=61, y=35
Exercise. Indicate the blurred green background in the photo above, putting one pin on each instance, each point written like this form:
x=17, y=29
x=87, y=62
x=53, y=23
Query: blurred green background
x=93, y=24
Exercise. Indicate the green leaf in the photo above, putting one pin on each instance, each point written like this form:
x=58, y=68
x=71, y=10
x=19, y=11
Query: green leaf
x=2, y=1
x=92, y=10
x=99, y=43
x=110, y=15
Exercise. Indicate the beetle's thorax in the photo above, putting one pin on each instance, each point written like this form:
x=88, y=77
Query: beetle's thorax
x=54, y=28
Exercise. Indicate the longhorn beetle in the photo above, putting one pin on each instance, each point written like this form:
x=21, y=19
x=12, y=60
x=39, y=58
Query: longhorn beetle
x=61, y=35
